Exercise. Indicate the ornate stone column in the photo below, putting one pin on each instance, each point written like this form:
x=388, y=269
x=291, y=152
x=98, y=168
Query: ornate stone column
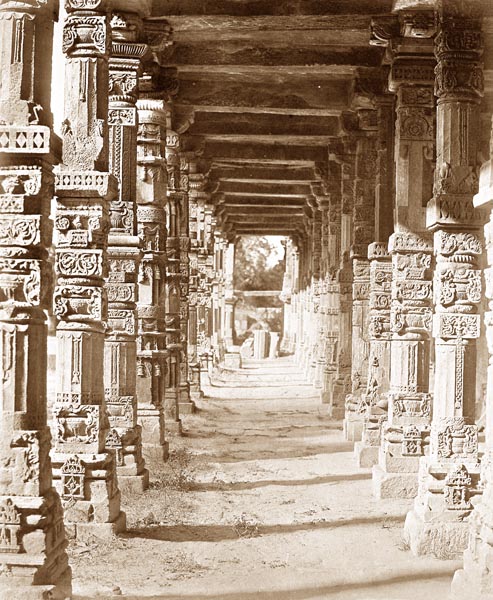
x=405, y=435
x=33, y=562
x=333, y=216
x=84, y=471
x=342, y=385
x=363, y=224
x=151, y=227
x=448, y=478
x=317, y=330
x=186, y=405
x=325, y=360
x=120, y=353
x=204, y=288
x=174, y=208
x=197, y=198
x=378, y=382
x=229, y=297
x=476, y=578
x=286, y=296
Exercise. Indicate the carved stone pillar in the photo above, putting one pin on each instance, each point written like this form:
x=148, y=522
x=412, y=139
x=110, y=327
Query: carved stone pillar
x=186, y=405
x=197, y=198
x=286, y=296
x=378, y=382
x=326, y=363
x=476, y=578
x=174, y=207
x=448, y=478
x=33, y=562
x=405, y=435
x=204, y=287
x=333, y=216
x=217, y=291
x=366, y=451
x=342, y=385
x=151, y=227
x=317, y=341
x=84, y=471
x=124, y=436
x=364, y=224
x=229, y=297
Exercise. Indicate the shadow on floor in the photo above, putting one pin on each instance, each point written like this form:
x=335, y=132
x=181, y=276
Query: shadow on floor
x=217, y=533
x=297, y=594
x=252, y=485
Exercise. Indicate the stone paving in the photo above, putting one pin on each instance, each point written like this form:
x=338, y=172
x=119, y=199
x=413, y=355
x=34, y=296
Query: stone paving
x=277, y=509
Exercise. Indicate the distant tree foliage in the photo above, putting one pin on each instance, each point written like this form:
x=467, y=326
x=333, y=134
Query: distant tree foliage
x=251, y=270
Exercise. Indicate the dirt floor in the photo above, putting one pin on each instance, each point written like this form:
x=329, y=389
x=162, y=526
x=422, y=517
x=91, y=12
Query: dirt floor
x=261, y=500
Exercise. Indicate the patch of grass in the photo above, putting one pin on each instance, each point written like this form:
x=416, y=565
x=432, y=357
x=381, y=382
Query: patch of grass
x=176, y=473
x=404, y=545
x=166, y=501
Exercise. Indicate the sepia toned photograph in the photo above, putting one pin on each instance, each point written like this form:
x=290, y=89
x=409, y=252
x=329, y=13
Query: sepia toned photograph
x=246, y=299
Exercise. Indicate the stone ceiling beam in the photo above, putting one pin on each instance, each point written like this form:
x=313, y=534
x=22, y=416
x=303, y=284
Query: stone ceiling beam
x=239, y=123
x=267, y=211
x=247, y=8
x=313, y=94
x=279, y=188
x=261, y=202
x=263, y=153
x=247, y=53
x=250, y=174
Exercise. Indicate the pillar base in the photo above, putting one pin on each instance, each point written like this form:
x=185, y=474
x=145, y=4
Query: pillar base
x=155, y=453
x=173, y=427
x=441, y=538
x=232, y=360
x=87, y=532
x=154, y=445
x=10, y=589
x=336, y=413
x=366, y=456
x=187, y=408
x=465, y=587
x=393, y=485
x=133, y=485
x=475, y=580
x=185, y=404
x=353, y=427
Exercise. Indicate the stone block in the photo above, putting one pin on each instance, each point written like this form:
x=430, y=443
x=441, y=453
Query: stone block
x=392, y=461
x=107, y=511
x=173, y=427
x=443, y=539
x=232, y=360
x=133, y=485
x=86, y=532
x=353, y=429
x=337, y=412
x=366, y=456
x=464, y=588
x=11, y=591
x=187, y=408
x=393, y=485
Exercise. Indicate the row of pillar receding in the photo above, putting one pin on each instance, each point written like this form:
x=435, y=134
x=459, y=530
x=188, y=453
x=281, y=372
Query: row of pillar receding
x=109, y=256
x=386, y=295
x=110, y=235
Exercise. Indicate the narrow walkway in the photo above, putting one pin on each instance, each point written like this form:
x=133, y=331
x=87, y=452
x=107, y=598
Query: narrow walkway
x=262, y=500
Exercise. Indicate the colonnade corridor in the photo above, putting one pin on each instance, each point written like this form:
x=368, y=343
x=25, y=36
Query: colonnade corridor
x=142, y=453
x=267, y=504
